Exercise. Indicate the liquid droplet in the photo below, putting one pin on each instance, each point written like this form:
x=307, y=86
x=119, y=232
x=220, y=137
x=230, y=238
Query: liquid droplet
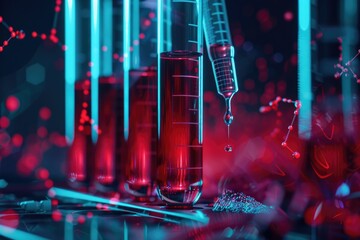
x=228, y=148
x=228, y=117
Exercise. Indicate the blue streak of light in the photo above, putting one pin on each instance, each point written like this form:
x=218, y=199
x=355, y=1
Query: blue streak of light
x=95, y=69
x=70, y=72
x=58, y=192
x=160, y=39
x=13, y=233
x=107, y=36
x=304, y=81
x=94, y=229
x=126, y=231
x=68, y=230
x=126, y=66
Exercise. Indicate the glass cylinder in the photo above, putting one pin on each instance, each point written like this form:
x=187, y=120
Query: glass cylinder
x=140, y=95
x=180, y=96
x=92, y=35
x=329, y=91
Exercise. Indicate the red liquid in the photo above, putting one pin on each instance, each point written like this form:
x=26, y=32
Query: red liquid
x=179, y=172
x=105, y=157
x=81, y=152
x=141, y=144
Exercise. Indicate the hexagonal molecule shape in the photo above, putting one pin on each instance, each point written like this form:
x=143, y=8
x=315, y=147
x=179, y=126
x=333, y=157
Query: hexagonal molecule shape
x=35, y=74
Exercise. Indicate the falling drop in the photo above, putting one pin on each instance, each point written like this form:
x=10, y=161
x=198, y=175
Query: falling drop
x=228, y=148
x=228, y=117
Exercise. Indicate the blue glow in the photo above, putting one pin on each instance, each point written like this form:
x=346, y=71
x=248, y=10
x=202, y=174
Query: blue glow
x=94, y=234
x=160, y=39
x=126, y=66
x=95, y=69
x=107, y=37
x=349, y=17
x=343, y=190
x=304, y=81
x=13, y=233
x=68, y=230
x=70, y=71
x=134, y=33
x=126, y=235
x=304, y=15
x=201, y=80
x=196, y=216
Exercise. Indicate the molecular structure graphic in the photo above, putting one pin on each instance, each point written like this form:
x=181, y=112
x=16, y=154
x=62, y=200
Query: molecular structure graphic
x=274, y=106
x=346, y=68
x=20, y=34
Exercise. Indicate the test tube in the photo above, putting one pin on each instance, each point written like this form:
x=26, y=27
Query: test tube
x=91, y=35
x=140, y=95
x=180, y=96
x=328, y=90
x=109, y=140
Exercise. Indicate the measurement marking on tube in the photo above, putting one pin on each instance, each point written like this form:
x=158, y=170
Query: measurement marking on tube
x=185, y=1
x=192, y=41
x=186, y=76
x=184, y=123
x=195, y=168
x=192, y=25
x=185, y=95
x=184, y=145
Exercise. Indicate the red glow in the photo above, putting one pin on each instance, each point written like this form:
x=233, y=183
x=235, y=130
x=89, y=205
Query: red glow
x=147, y=22
x=89, y=215
x=17, y=140
x=45, y=113
x=351, y=226
x=9, y=218
x=42, y=132
x=141, y=35
x=81, y=219
x=49, y=183
x=58, y=139
x=34, y=34
x=311, y=218
x=42, y=173
x=4, y=122
x=56, y=216
x=288, y=16
x=12, y=103
x=151, y=15
x=43, y=36
x=26, y=164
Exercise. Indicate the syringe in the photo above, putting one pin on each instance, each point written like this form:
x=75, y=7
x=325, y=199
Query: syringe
x=221, y=51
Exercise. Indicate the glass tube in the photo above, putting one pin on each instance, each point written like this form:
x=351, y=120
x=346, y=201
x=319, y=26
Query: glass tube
x=92, y=34
x=329, y=90
x=179, y=170
x=140, y=92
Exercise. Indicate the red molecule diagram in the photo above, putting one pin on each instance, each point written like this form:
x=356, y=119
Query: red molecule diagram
x=20, y=35
x=274, y=106
x=345, y=69
x=14, y=34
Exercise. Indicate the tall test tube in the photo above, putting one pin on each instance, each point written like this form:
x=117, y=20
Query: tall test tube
x=180, y=96
x=91, y=35
x=221, y=51
x=140, y=95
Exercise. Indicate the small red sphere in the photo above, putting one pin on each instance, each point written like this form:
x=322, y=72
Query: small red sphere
x=1, y=19
x=57, y=9
x=5, y=43
x=12, y=103
x=43, y=36
x=34, y=34
x=1, y=49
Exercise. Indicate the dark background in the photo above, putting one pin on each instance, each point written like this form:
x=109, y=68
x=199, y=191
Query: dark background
x=264, y=34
